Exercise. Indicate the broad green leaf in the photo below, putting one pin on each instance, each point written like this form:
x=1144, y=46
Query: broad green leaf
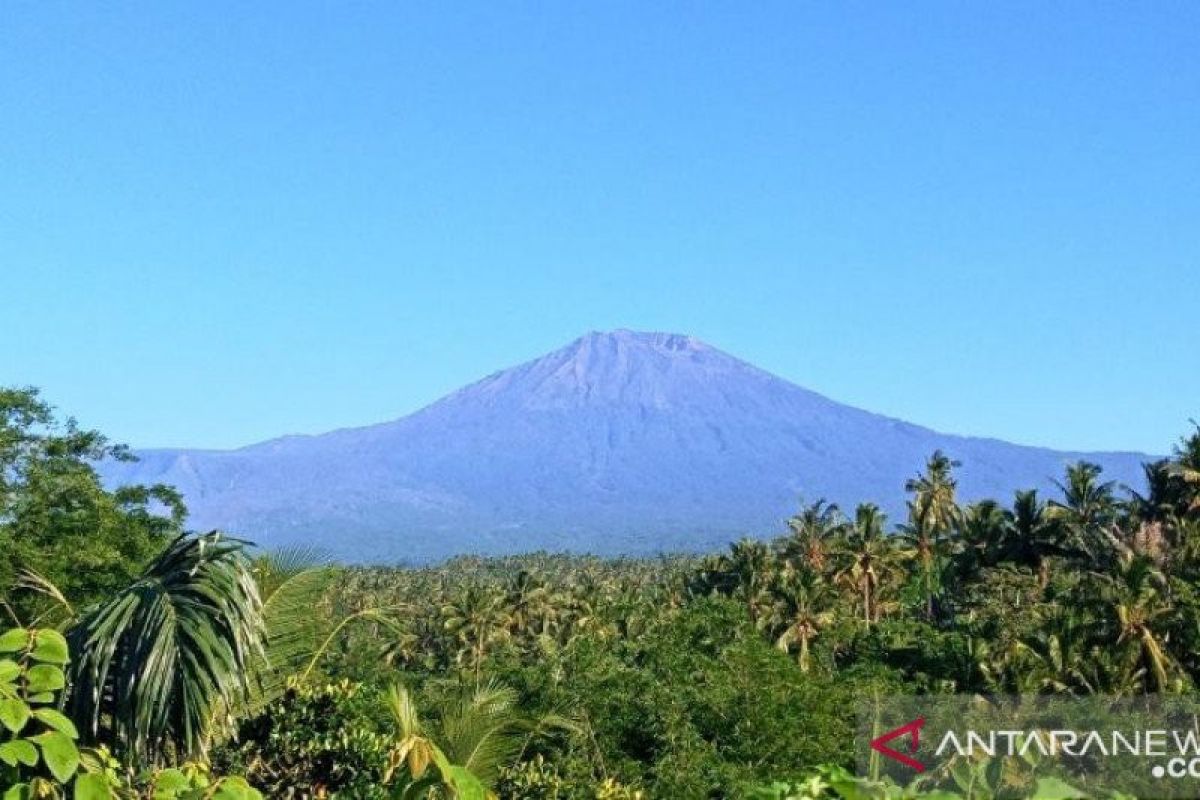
x=60, y=754
x=56, y=720
x=18, y=792
x=41, y=697
x=93, y=787
x=14, y=714
x=14, y=640
x=1055, y=789
x=18, y=751
x=9, y=670
x=50, y=646
x=45, y=678
x=235, y=789
x=169, y=783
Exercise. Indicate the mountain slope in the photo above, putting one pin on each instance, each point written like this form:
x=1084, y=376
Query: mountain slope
x=620, y=442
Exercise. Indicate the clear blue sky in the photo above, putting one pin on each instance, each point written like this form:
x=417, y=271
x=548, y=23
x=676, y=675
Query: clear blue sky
x=220, y=222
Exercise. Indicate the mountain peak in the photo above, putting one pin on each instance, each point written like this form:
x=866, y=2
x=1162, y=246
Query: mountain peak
x=625, y=338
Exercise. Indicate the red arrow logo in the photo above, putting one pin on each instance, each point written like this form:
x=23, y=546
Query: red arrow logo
x=879, y=744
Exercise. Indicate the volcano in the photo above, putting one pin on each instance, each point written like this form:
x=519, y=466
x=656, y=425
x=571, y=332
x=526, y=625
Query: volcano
x=619, y=443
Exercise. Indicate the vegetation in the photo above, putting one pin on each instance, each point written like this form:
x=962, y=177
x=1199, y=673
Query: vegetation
x=175, y=657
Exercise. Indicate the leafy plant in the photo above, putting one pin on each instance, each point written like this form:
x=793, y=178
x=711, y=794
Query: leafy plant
x=159, y=658
x=39, y=747
x=39, y=752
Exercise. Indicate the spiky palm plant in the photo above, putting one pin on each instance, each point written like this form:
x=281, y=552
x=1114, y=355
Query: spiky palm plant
x=155, y=662
x=471, y=739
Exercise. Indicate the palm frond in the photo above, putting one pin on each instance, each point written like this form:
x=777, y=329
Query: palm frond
x=32, y=581
x=292, y=592
x=153, y=663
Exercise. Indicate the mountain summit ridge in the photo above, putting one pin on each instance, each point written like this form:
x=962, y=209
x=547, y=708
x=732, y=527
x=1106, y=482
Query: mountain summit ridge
x=619, y=442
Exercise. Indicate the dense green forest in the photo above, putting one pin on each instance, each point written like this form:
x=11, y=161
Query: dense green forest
x=145, y=661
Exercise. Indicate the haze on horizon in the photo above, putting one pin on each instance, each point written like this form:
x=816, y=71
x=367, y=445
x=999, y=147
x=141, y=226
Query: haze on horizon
x=222, y=224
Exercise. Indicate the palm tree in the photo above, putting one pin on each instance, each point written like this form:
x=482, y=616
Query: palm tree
x=1140, y=612
x=1035, y=536
x=1185, y=467
x=417, y=766
x=935, y=505
x=527, y=605
x=1059, y=656
x=924, y=547
x=803, y=607
x=986, y=536
x=933, y=513
x=750, y=561
x=1087, y=509
x=812, y=533
x=474, y=736
x=476, y=619
x=156, y=661
x=870, y=558
x=293, y=583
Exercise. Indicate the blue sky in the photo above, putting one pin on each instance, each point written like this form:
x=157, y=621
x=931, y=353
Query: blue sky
x=224, y=221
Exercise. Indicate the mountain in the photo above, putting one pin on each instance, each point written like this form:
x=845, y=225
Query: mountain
x=620, y=442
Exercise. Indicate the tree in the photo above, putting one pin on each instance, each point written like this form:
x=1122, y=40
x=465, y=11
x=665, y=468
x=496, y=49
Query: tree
x=933, y=513
x=58, y=520
x=155, y=662
x=474, y=735
x=812, y=533
x=803, y=607
x=1186, y=467
x=527, y=605
x=1140, y=614
x=935, y=504
x=870, y=558
x=1088, y=507
x=750, y=560
x=1036, y=538
x=986, y=532
x=476, y=619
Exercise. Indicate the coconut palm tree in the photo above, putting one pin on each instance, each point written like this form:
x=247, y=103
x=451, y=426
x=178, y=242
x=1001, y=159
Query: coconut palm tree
x=870, y=558
x=811, y=535
x=527, y=607
x=1060, y=657
x=933, y=512
x=1186, y=467
x=985, y=532
x=803, y=607
x=417, y=765
x=1088, y=507
x=292, y=583
x=750, y=561
x=1140, y=616
x=1035, y=537
x=476, y=619
x=935, y=504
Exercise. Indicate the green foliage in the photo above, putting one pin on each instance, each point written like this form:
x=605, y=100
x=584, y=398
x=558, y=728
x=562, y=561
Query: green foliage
x=39, y=752
x=978, y=781
x=37, y=743
x=161, y=657
x=555, y=676
x=313, y=741
x=55, y=517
